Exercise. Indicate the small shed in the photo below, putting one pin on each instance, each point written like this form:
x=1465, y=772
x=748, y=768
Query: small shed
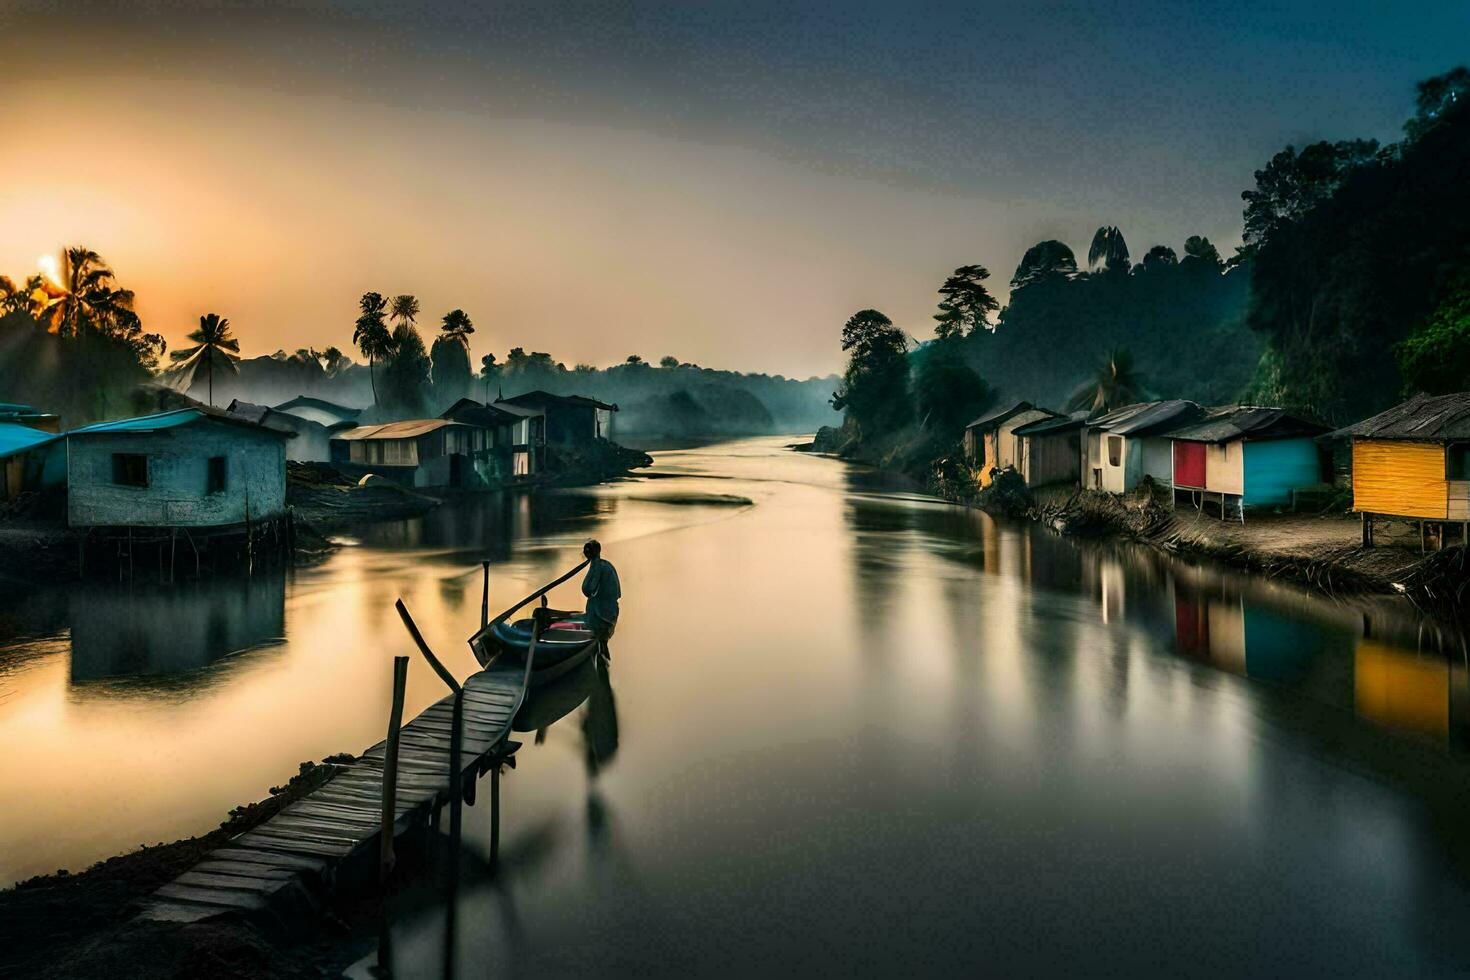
x=413, y=452
x=1127, y=445
x=1049, y=449
x=1413, y=461
x=30, y=459
x=1246, y=456
x=570, y=419
x=990, y=441
x=193, y=468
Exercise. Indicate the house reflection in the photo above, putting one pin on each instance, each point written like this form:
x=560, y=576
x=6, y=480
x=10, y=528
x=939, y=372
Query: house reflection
x=487, y=524
x=158, y=631
x=1333, y=662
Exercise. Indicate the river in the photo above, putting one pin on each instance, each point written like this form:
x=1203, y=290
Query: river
x=846, y=729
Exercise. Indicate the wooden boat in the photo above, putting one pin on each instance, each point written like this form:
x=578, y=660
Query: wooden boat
x=551, y=641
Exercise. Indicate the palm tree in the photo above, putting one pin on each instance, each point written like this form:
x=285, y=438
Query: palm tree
x=213, y=344
x=457, y=326
x=371, y=334
x=1116, y=383
x=86, y=293
x=1109, y=249
x=405, y=310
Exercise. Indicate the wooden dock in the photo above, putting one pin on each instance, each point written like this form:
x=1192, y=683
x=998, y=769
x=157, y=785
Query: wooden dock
x=283, y=867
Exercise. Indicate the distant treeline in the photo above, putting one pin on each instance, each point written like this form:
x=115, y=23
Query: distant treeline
x=1351, y=290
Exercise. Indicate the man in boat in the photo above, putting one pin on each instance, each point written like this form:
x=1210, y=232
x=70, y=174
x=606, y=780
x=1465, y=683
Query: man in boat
x=602, y=589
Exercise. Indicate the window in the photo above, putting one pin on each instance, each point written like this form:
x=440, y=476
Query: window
x=521, y=464
x=215, y=482
x=1115, y=450
x=1458, y=457
x=130, y=469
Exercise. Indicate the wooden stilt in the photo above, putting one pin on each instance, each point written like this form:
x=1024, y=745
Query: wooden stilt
x=485, y=598
x=390, y=770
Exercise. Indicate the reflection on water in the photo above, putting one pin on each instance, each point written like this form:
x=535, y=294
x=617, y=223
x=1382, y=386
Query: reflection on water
x=855, y=730
x=151, y=630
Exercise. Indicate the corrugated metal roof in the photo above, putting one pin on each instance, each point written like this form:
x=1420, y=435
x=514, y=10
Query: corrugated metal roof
x=546, y=396
x=1432, y=418
x=518, y=410
x=248, y=411
x=1156, y=418
x=1248, y=422
x=19, y=438
x=172, y=420
x=999, y=415
x=307, y=401
x=1060, y=423
x=406, y=429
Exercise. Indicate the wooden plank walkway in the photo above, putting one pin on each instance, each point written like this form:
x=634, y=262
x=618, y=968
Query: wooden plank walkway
x=283, y=864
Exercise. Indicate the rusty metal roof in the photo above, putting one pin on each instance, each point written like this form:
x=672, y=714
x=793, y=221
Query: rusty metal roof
x=406, y=429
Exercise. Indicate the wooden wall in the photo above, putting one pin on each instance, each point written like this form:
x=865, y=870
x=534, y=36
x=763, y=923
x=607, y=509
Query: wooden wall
x=1405, y=479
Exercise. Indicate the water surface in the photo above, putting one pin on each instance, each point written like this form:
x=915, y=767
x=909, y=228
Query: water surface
x=846, y=728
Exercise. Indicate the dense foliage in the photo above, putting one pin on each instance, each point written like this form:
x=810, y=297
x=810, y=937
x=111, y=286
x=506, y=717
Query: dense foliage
x=1352, y=248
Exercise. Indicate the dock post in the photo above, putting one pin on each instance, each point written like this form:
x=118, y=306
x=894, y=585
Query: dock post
x=485, y=598
x=456, y=779
x=495, y=815
x=390, y=769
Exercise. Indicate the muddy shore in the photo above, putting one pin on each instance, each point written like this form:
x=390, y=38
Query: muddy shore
x=82, y=924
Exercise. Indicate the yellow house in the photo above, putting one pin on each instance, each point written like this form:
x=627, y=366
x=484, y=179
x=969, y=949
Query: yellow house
x=1413, y=461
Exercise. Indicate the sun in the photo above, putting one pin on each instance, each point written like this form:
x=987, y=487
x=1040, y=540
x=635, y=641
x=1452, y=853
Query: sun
x=50, y=269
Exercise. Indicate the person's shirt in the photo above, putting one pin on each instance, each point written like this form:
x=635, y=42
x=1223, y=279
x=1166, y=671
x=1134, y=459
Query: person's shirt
x=602, y=589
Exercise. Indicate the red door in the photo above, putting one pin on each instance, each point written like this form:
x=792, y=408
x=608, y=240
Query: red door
x=1189, y=464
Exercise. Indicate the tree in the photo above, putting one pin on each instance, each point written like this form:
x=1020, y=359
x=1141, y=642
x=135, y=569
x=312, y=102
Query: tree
x=668, y=361
x=371, y=334
x=332, y=360
x=213, y=344
x=874, y=388
x=85, y=295
x=1436, y=358
x=948, y=393
x=1435, y=97
x=1117, y=383
x=405, y=311
x=1108, y=250
x=407, y=374
x=635, y=361
x=451, y=353
x=1159, y=257
x=489, y=372
x=1201, y=249
x=1293, y=183
x=966, y=304
x=457, y=326
x=450, y=368
x=1044, y=262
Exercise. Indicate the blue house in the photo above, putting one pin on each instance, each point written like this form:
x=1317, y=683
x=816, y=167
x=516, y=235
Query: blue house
x=190, y=468
x=1246, y=457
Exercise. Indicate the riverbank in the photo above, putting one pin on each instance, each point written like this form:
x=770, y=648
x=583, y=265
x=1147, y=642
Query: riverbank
x=1321, y=551
x=82, y=924
x=36, y=546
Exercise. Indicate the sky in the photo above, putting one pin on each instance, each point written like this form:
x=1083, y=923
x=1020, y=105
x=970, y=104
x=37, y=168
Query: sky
x=723, y=182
